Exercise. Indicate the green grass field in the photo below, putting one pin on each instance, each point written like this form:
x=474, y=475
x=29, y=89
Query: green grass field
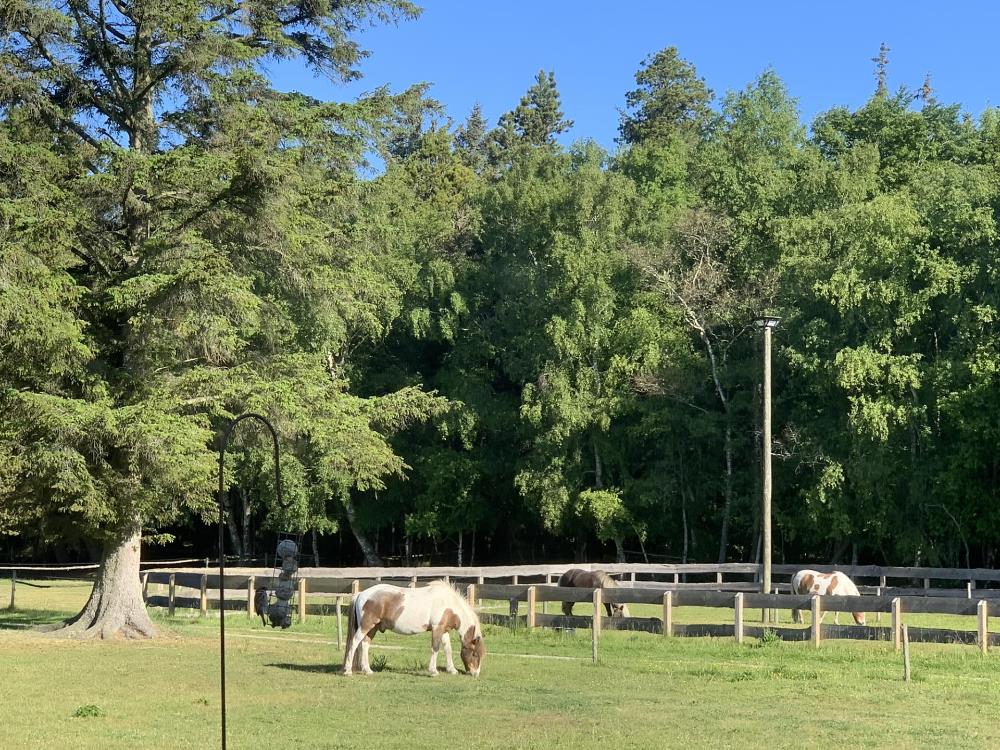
x=538, y=689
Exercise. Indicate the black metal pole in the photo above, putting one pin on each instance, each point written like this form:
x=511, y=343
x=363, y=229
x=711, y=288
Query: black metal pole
x=222, y=541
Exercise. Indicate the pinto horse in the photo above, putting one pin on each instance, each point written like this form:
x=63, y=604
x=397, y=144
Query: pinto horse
x=591, y=579
x=436, y=608
x=825, y=584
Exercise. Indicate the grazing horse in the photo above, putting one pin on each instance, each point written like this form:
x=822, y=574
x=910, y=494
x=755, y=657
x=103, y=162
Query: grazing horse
x=436, y=608
x=825, y=584
x=591, y=579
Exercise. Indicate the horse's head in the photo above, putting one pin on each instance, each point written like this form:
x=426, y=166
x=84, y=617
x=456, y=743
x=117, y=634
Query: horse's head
x=473, y=651
x=620, y=610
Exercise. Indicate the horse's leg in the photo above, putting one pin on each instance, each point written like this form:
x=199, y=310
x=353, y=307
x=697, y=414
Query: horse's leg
x=567, y=608
x=446, y=640
x=797, y=616
x=366, y=667
x=432, y=669
x=356, y=640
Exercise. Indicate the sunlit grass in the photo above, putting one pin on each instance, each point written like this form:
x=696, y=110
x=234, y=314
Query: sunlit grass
x=538, y=689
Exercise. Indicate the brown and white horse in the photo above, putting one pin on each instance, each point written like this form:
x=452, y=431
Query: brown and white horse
x=825, y=584
x=591, y=579
x=436, y=608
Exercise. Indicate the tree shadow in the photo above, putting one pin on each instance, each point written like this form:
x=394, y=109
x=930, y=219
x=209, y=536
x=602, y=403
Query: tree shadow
x=26, y=619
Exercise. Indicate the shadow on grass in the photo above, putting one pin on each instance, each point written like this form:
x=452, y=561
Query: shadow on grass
x=415, y=669
x=23, y=619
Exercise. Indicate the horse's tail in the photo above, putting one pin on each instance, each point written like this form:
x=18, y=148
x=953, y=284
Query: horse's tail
x=352, y=628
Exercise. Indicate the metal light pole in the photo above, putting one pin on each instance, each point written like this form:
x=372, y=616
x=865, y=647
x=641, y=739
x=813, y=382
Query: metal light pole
x=768, y=324
x=222, y=541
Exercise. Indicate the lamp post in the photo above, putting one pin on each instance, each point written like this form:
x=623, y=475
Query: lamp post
x=768, y=323
x=222, y=557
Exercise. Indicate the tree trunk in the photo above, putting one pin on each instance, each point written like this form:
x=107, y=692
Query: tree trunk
x=234, y=533
x=472, y=551
x=460, y=549
x=684, y=528
x=315, y=544
x=115, y=608
x=619, y=550
x=372, y=560
x=728, y=500
x=581, y=549
x=245, y=504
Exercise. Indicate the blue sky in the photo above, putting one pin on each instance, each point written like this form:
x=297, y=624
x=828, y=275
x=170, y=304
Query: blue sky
x=490, y=52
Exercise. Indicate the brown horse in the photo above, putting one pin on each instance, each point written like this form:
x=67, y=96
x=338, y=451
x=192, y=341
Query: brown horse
x=591, y=579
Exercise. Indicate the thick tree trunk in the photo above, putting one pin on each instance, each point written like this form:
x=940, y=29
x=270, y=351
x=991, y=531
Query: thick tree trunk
x=115, y=608
x=234, y=533
x=372, y=559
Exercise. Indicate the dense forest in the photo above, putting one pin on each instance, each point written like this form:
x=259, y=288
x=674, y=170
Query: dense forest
x=493, y=346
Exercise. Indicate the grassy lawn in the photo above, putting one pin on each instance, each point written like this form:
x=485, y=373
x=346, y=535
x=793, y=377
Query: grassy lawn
x=537, y=690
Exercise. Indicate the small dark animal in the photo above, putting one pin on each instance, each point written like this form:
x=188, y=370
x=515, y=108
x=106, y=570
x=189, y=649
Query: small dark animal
x=591, y=579
x=260, y=601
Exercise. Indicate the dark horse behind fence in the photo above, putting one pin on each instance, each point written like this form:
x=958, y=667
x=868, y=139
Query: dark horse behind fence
x=591, y=579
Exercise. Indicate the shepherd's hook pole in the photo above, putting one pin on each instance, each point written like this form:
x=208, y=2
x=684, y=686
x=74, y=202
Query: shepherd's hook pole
x=222, y=541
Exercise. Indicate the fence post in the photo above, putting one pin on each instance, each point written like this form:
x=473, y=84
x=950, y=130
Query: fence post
x=738, y=618
x=545, y=604
x=340, y=640
x=171, y=593
x=355, y=587
x=413, y=582
x=982, y=610
x=968, y=590
x=881, y=582
x=677, y=578
x=515, y=579
x=302, y=600
x=897, y=623
x=595, y=625
x=718, y=576
x=145, y=587
x=817, y=625
x=479, y=582
x=204, y=594
x=632, y=576
x=878, y=615
x=470, y=595
x=927, y=583
x=668, y=613
x=774, y=612
x=13, y=587
x=531, y=607
x=251, y=593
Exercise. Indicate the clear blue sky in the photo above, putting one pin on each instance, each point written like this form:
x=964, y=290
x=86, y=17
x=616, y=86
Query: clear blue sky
x=490, y=52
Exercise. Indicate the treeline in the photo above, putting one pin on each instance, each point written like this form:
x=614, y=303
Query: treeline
x=499, y=348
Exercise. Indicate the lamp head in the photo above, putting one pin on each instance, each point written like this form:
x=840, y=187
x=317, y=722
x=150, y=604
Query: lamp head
x=768, y=321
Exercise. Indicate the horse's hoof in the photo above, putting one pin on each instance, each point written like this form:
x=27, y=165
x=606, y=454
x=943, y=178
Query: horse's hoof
x=452, y=671
x=432, y=673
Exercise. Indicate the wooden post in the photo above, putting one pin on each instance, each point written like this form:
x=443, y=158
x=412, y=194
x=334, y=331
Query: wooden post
x=878, y=615
x=817, y=625
x=595, y=625
x=302, y=600
x=548, y=582
x=355, y=587
x=204, y=594
x=13, y=587
x=881, y=582
x=145, y=587
x=927, y=583
x=897, y=623
x=531, y=607
x=968, y=590
x=251, y=595
x=470, y=595
x=982, y=610
x=632, y=576
x=171, y=591
x=668, y=613
x=479, y=582
x=906, y=654
x=677, y=578
x=516, y=578
x=340, y=639
x=738, y=618
x=413, y=582
x=718, y=576
x=774, y=612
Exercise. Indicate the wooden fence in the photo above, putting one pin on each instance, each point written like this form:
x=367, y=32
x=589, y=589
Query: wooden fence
x=325, y=594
